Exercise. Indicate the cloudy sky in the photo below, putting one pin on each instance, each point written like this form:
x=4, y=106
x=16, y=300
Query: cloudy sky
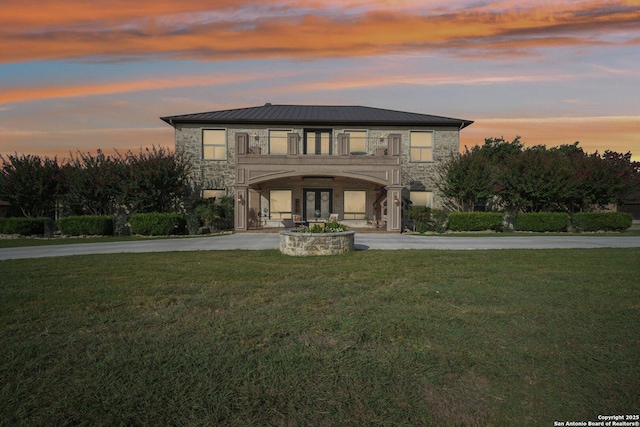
x=86, y=74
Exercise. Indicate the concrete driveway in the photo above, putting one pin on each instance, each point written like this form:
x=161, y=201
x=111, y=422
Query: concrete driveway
x=363, y=241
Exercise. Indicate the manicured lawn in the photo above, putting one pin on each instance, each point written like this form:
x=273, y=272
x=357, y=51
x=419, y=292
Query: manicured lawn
x=515, y=337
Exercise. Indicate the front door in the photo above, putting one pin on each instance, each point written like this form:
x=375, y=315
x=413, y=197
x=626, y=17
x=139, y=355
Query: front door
x=317, y=200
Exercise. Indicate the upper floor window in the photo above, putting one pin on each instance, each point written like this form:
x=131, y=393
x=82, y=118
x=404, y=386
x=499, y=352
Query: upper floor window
x=278, y=141
x=357, y=141
x=421, y=146
x=317, y=141
x=214, y=144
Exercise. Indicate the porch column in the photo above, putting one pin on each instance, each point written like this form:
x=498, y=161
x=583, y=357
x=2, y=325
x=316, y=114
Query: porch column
x=241, y=211
x=394, y=208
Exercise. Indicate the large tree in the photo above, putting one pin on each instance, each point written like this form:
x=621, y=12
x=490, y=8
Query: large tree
x=30, y=183
x=156, y=180
x=92, y=184
x=534, y=179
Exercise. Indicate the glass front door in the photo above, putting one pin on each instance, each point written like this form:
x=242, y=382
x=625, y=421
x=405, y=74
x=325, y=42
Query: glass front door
x=317, y=200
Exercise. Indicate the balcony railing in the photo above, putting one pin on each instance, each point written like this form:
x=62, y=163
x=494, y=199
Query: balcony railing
x=374, y=146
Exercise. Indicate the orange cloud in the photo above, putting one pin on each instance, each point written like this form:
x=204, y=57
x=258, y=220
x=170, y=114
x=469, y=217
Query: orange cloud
x=215, y=30
x=31, y=93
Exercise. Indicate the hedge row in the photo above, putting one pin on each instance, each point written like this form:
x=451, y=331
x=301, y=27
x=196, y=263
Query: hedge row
x=542, y=221
x=23, y=226
x=475, y=221
x=158, y=224
x=86, y=225
x=602, y=221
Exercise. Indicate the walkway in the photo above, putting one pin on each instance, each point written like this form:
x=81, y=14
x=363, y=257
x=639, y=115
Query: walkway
x=261, y=241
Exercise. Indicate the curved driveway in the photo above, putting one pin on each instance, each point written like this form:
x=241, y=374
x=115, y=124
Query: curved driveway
x=363, y=241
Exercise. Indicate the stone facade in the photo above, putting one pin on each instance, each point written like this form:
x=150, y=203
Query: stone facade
x=384, y=172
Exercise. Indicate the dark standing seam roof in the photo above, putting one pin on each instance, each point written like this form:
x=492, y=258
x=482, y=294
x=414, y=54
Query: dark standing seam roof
x=316, y=115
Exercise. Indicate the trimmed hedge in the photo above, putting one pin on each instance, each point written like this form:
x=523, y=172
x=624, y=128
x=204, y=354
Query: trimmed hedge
x=475, y=221
x=601, y=221
x=542, y=221
x=23, y=226
x=158, y=224
x=86, y=225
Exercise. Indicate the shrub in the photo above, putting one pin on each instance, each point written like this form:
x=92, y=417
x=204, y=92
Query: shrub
x=100, y=225
x=421, y=217
x=475, y=221
x=601, y=221
x=542, y=221
x=23, y=226
x=157, y=224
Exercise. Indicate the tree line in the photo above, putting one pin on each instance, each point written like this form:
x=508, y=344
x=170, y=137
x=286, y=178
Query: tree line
x=155, y=180
x=536, y=179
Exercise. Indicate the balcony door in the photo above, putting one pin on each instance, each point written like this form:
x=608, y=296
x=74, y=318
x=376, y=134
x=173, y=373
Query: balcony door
x=317, y=141
x=317, y=199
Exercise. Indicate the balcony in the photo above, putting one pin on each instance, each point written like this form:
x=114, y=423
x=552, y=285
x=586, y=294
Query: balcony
x=294, y=146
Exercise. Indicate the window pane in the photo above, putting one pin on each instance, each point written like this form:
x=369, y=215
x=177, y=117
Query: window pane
x=280, y=204
x=324, y=143
x=214, y=144
x=213, y=137
x=278, y=141
x=355, y=204
x=421, y=139
x=357, y=141
x=208, y=152
x=421, y=198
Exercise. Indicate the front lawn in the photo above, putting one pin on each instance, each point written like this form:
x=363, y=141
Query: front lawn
x=516, y=337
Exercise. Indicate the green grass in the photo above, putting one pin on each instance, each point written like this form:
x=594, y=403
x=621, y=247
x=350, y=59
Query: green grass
x=397, y=338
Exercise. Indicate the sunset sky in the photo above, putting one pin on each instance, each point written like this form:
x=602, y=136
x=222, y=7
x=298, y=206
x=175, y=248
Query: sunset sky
x=85, y=74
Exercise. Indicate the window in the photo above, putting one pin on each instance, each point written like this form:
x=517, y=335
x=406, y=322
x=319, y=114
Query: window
x=214, y=144
x=357, y=141
x=421, y=146
x=317, y=141
x=421, y=198
x=218, y=194
x=355, y=204
x=278, y=141
x=280, y=204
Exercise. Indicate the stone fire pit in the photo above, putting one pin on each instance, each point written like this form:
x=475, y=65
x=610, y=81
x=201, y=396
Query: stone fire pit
x=297, y=243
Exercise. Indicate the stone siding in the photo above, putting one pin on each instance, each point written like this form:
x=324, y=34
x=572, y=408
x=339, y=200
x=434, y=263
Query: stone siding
x=308, y=244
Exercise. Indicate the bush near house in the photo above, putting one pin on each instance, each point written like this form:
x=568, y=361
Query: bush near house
x=542, y=221
x=421, y=217
x=23, y=226
x=101, y=225
x=601, y=221
x=475, y=221
x=158, y=224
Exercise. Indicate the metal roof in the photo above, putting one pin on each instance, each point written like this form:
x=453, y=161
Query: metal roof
x=316, y=115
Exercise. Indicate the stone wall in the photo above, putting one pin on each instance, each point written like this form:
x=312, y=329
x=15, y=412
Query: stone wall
x=307, y=244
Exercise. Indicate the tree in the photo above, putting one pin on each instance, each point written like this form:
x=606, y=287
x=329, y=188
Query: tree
x=92, y=184
x=468, y=179
x=31, y=183
x=154, y=181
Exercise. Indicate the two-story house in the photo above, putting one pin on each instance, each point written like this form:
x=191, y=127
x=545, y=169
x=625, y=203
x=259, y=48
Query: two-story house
x=286, y=162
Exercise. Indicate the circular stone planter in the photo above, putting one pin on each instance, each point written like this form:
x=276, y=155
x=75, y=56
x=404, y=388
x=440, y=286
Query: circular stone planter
x=306, y=244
